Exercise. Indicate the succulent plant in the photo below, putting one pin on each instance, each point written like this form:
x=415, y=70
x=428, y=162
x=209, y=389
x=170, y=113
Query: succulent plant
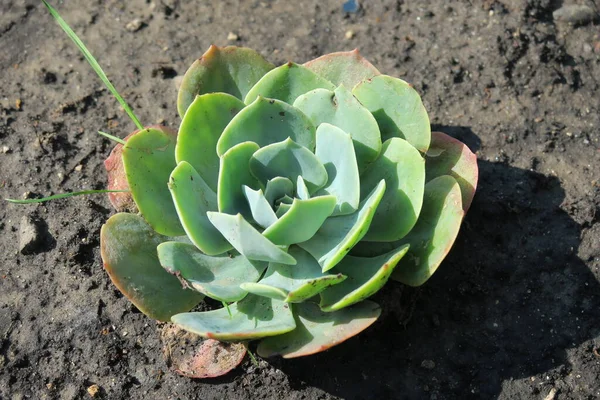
x=290, y=194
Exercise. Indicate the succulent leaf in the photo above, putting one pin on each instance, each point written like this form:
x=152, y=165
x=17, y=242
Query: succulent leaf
x=317, y=331
x=450, y=156
x=251, y=318
x=262, y=211
x=282, y=209
x=247, y=240
x=278, y=187
x=398, y=109
x=267, y=121
x=232, y=70
x=193, y=198
x=301, y=221
x=289, y=160
x=149, y=158
x=340, y=108
x=365, y=277
x=336, y=152
x=234, y=174
x=346, y=68
x=128, y=249
x=403, y=169
x=433, y=236
x=302, y=189
x=338, y=235
x=286, y=83
x=294, y=283
x=216, y=277
x=200, y=130
x=286, y=199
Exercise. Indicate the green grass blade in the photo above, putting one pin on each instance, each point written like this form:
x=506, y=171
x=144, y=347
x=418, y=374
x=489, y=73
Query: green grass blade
x=63, y=196
x=111, y=137
x=93, y=63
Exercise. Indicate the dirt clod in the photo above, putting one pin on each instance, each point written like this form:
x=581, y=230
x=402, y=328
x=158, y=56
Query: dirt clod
x=30, y=235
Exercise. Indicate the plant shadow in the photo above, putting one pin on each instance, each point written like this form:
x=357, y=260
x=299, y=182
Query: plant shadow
x=507, y=303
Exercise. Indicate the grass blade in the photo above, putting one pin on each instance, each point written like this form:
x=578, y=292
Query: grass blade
x=111, y=137
x=93, y=63
x=63, y=196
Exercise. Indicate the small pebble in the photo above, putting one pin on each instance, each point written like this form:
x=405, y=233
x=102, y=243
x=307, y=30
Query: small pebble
x=574, y=14
x=349, y=34
x=93, y=390
x=551, y=395
x=79, y=168
x=5, y=149
x=232, y=37
x=428, y=364
x=351, y=6
x=134, y=25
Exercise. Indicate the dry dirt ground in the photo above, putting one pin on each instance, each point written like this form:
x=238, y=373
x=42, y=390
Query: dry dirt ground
x=514, y=311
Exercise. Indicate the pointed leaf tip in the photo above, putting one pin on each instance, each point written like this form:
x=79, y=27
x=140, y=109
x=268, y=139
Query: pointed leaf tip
x=247, y=240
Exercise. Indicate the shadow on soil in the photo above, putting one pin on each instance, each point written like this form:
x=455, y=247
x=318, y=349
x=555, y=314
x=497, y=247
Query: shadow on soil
x=508, y=301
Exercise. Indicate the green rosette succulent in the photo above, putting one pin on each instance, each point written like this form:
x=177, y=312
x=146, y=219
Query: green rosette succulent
x=290, y=194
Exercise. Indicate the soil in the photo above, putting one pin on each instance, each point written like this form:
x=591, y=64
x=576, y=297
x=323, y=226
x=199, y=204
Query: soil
x=513, y=312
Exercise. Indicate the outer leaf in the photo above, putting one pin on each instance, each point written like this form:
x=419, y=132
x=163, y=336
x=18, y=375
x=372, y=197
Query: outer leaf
x=342, y=109
x=277, y=188
x=251, y=318
x=335, y=151
x=294, y=284
x=433, y=236
x=262, y=211
x=193, y=198
x=231, y=69
x=289, y=160
x=403, y=169
x=234, y=174
x=200, y=130
x=449, y=156
x=317, y=331
x=149, y=158
x=128, y=250
x=117, y=180
x=268, y=121
x=346, y=68
x=195, y=357
x=301, y=221
x=398, y=109
x=247, y=240
x=286, y=83
x=216, y=277
x=338, y=235
x=365, y=277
